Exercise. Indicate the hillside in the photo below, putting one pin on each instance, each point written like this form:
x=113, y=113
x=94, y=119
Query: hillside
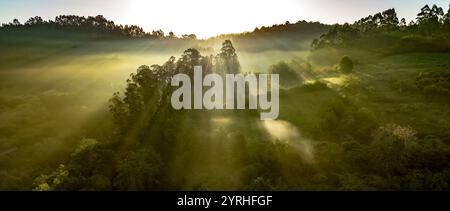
x=363, y=106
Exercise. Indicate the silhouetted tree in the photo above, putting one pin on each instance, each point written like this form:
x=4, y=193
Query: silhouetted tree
x=34, y=21
x=189, y=36
x=16, y=22
x=158, y=33
x=172, y=35
x=429, y=19
x=447, y=19
x=389, y=20
x=227, y=60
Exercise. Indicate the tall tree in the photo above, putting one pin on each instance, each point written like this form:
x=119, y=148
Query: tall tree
x=34, y=21
x=389, y=19
x=447, y=19
x=429, y=19
x=227, y=60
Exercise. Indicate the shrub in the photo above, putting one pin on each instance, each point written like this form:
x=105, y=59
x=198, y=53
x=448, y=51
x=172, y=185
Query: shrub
x=346, y=65
x=288, y=77
x=434, y=83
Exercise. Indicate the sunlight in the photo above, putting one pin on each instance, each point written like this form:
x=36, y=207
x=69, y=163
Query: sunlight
x=205, y=19
x=288, y=133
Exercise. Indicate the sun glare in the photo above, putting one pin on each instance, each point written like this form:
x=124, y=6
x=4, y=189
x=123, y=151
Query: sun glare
x=205, y=19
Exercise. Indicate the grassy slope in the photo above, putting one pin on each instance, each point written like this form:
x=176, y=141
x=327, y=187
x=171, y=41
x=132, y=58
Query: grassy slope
x=397, y=100
x=387, y=85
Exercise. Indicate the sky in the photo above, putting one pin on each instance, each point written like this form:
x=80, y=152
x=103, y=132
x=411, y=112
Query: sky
x=207, y=18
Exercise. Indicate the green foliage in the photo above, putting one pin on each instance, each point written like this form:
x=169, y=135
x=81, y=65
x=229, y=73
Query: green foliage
x=430, y=22
x=430, y=18
x=384, y=21
x=346, y=65
x=97, y=25
x=288, y=77
x=226, y=62
x=296, y=36
x=138, y=171
x=338, y=35
x=342, y=120
x=434, y=83
x=326, y=139
x=52, y=181
x=86, y=144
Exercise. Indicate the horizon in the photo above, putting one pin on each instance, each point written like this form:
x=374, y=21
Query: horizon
x=139, y=12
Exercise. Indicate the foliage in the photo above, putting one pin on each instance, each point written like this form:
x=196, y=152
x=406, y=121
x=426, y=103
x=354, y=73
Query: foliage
x=92, y=25
x=52, y=181
x=226, y=62
x=325, y=139
x=434, y=83
x=288, y=77
x=430, y=22
x=346, y=65
x=138, y=171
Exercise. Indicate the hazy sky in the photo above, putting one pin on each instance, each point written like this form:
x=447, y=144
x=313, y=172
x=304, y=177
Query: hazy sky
x=210, y=17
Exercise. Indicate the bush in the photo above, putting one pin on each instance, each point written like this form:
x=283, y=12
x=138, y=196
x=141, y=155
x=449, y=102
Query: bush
x=434, y=83
x=288, y=77
x=346, y=65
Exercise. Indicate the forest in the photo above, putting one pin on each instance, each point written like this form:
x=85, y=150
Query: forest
x=85, y=106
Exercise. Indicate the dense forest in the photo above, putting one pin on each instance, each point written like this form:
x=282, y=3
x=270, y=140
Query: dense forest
x=428, y=33
x=94, y=26
x=364, y=107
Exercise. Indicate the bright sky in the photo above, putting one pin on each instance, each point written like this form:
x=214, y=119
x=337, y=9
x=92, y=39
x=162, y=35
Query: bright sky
x=210, y=17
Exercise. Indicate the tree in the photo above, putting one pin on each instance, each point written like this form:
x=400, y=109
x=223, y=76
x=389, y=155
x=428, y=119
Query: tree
x=288, y=76
x=16, y=23
x=346, y=65
x=227, y=60
x=366, y=24
x=429, y=19
x=52, y=181
x=447, y=19
x=119, y=111
x=133, y=31
x=425, y=13
x=158, y=33
x=189, y=36
x=34, y=21
x=389, y=20
x=377, y=19
x=437, y=12
x=402, y=23
x=172, y=35
x=138, y=170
